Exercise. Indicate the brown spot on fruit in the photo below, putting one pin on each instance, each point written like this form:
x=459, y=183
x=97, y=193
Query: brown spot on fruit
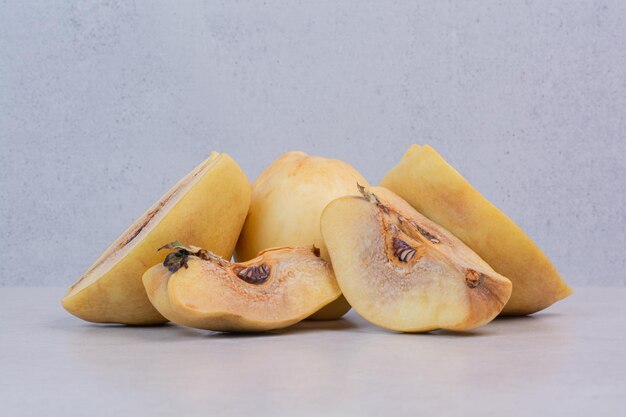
x=473, y=278
x=134, y=235
x=176, y=260
x=141, y=224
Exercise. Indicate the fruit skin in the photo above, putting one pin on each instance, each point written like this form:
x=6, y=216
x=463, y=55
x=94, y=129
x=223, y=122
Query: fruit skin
x=430, y=293
x=437, y=190
x=211, y=214
x=209, y=296
x=287, y=200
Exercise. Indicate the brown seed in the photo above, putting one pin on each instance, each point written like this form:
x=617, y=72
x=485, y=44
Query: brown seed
x=473, y=278
x=402, y=250
x=256, y=274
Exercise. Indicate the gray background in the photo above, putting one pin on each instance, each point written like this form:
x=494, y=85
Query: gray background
x=104, y=105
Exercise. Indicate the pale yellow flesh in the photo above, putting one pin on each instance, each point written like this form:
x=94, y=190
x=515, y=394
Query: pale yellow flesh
x=426, y=294
x=287, y=200
x=437, y=190
x=206, y=208
x=206, y=296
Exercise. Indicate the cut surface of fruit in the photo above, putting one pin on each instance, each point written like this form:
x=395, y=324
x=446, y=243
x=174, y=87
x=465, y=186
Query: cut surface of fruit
x=425, y=180
x=287, y=200
x=207, y=207
x=403, y=272
x=278, y=288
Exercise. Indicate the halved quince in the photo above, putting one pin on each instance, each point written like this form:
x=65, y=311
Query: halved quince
x=287, y=200
x=280, y=287
x=207, y=207
x=425, y=180
x=403, y=272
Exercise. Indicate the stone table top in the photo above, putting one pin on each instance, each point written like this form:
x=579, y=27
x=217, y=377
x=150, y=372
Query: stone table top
x=568, y=360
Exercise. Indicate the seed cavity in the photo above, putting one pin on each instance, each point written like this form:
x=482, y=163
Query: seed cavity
x=256, y=274
x=402, y=250
x=425, y=233
x=473, y=278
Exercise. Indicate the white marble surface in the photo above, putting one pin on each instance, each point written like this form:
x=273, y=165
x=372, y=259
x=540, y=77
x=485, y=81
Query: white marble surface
x=568, y=360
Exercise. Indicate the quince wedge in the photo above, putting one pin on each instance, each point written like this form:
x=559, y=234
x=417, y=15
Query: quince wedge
x=282, y=286
x=403, y=272
x=287, y=200
x=425, y=180
x=208, y=207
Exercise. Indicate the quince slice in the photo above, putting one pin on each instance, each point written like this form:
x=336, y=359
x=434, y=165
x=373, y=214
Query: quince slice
x=403, y=272
x=207, y=207
x=196, y=288
x=438, y=191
